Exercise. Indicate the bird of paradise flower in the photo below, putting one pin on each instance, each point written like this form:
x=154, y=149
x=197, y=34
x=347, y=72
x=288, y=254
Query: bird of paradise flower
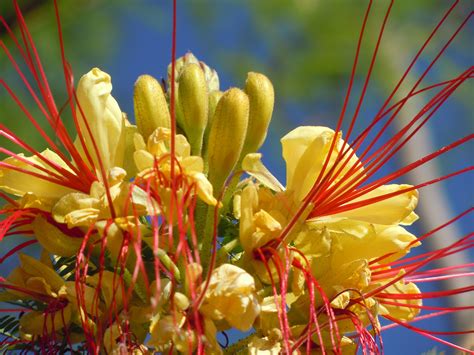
x=81, y=204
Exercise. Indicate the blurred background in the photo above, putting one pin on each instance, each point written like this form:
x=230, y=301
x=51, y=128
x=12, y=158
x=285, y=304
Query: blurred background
x=306, y=47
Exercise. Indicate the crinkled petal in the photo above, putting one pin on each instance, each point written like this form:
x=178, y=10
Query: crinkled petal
x=76, y=209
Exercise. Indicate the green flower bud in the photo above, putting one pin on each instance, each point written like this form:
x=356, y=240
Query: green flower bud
x=214, y=98
x=194, y=103
x=210, y=75
x=181, y=301
x=227, y=135
x=151, y=108
x=212, y=79
x=262, y=98
x=181, y=62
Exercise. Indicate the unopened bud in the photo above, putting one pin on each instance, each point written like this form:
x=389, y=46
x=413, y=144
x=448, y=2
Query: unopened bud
x=181, y=301
x=214, y=98
x=212, y=79
x=262, y=98
x=210, y=75
x=181, y=62
x=194, y=103
x=227, y=135
x=151, y=108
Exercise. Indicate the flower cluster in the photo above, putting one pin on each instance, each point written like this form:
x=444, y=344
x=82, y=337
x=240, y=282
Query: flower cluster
x=161, y=235
x=142, y=230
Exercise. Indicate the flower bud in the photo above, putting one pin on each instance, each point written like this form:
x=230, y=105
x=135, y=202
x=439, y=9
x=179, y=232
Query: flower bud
x=212, y=79
x=214, y=97
x=227, y=135
x=151, y=108
x=261, y=97
x=194, y=103
x=181, y=301
x=181, y=62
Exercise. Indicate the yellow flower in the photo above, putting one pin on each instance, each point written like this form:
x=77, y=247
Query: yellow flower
x=79, y=209
x=338, y=246
x=155, y=154
x=231, y=296
x=102, y=126
x=37, y=280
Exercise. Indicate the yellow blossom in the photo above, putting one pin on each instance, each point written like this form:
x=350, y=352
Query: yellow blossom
x=79, y=209
x=156, y=151
x=231, y=296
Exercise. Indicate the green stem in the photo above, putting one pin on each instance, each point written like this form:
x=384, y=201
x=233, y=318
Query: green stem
x=168, y=263
x=207, y=238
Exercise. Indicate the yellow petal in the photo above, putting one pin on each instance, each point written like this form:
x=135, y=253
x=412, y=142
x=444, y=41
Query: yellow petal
x=192, y=164
x=231, y=296
x=210, y=331
x=393, y=210
x=249, y=201
x=37, y=268
x=143, y=160
x=111, y=336
x=104, y=119
x=20, y=183
x=304, y=150
x=204, y=189
x=358, y=240
x=110, y=287
x=88, y=297
x=53, y=240
x=18, y=278
x=253, y=166
x=405, y=312
x=39, y=285
x=30, y=200
x=76, y=209
x=37, y=323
